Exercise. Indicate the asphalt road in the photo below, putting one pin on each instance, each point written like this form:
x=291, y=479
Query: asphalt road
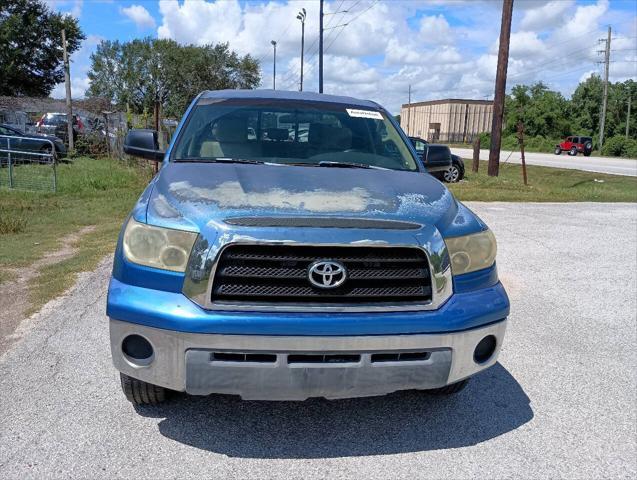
x=614, y=166
x=560, y=403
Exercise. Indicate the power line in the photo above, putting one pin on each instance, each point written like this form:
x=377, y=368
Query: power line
x=350, y=22
x=536, y=68
x=311, y=52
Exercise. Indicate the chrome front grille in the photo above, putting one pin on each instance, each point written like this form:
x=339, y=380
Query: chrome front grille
x=278, y=274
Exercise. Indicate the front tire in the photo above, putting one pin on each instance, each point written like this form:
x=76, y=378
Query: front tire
x=450, y=389
x=558, y=151
x=573, y=152
x=452, y=174
x=139, y=392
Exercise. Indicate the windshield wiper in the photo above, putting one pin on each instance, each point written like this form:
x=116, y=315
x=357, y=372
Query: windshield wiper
x=348, y=165
x=220, y=160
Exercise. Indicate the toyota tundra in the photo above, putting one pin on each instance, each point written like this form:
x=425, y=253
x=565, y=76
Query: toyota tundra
x=292, y=246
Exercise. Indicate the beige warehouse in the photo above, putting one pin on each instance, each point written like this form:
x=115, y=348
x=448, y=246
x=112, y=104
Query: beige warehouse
x=450, y=120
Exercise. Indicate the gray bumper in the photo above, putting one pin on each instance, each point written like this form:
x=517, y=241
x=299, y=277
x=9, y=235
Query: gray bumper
x=364, y=365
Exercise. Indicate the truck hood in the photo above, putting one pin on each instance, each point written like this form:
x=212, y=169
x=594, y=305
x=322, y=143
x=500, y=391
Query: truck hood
x=192, y=195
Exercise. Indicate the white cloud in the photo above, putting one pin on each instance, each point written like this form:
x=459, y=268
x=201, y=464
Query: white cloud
x=551, y=14
x=71, y=7
x=139, y=15
x=441, y=49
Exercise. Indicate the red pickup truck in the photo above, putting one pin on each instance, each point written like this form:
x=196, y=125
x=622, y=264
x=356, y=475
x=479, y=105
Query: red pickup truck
x=575, y=145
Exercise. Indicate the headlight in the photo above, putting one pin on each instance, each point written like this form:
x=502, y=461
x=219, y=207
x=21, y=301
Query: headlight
x=471, y=252
x=157, y=247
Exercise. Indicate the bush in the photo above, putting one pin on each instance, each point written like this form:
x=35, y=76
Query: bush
x=620, y=146
x=485, y=139
x=92, y=144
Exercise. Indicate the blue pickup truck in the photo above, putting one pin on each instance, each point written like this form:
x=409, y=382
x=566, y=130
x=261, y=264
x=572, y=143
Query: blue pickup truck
x=293, y=246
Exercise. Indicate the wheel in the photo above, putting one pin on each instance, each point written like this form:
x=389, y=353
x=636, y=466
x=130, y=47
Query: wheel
x=452, y=174
x=449, y=389
x=558, y=151
x=142, y=393
x=588, y=149
x=573, y=151
x=587, y=153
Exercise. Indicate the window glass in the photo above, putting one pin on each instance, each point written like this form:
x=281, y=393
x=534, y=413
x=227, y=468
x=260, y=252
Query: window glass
x=292, y=132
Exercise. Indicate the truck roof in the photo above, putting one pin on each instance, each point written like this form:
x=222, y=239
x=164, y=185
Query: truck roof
x=288, y=95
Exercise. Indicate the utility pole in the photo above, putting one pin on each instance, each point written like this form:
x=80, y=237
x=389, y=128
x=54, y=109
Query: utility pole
x=274, y=72
x=500, y=89
x=409, y=112
x=301, y=16
x=602, y=120
x=628, y=118
x=321, y=48
x=67, y=83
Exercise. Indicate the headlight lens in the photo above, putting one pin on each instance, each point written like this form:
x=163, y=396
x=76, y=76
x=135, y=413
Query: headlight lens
x=471, y=252
x=157, y=247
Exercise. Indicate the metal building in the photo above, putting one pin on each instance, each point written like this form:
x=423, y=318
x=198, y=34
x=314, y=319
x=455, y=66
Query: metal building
x=451, y=120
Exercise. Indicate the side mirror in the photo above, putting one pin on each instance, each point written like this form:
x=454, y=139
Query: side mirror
x=143, y=143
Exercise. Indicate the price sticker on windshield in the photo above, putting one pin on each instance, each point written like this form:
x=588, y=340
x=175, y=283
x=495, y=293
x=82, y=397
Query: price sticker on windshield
x=352, y=112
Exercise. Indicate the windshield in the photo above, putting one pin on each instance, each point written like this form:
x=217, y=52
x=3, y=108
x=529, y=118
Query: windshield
x=292, y=132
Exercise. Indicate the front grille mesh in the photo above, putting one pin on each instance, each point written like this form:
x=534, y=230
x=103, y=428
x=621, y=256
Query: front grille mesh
x=261, y=274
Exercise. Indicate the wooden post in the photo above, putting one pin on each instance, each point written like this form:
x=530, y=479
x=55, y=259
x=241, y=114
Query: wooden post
x=628, y=117
x=67, y=84
x=108, y=138
x=521, y=140
x=500, y=89
x=476, y=154
x=157, y=124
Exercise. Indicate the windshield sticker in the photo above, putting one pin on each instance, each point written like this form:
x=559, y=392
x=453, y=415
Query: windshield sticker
x=352, y=112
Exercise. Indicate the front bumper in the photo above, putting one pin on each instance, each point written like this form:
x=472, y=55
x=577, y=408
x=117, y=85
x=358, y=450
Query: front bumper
x=184, y=361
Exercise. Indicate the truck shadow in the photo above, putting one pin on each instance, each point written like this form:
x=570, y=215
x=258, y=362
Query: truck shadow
x=493, y=403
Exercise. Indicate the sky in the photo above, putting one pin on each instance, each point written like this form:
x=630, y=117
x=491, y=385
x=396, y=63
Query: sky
x=376, y=49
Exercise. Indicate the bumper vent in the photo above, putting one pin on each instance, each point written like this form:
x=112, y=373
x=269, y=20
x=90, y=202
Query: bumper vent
x=278, y=274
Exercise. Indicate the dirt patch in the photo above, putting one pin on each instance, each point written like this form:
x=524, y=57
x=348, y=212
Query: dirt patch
x=14, y=294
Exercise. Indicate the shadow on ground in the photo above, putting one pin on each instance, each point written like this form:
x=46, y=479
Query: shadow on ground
x=492, y=404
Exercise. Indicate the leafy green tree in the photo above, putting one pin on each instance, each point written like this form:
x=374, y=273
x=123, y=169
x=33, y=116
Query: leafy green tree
x=585, y=106
x=164, y=76
x=543, y=111
x=31, y=47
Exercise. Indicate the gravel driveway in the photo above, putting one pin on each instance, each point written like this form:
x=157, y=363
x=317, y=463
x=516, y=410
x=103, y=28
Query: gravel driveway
x=560, y=403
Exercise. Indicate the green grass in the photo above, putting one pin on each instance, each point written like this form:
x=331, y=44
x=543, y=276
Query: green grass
x=546, y=184
x=96, y=192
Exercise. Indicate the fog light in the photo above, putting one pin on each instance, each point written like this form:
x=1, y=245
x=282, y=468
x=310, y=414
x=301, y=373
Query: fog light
x=137, y=349
x=485, y=349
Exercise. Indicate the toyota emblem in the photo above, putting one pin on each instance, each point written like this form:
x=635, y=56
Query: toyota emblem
x=327, y=274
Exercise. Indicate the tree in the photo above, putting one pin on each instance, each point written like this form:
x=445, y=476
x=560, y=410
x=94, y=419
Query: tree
x=31, y=47
x=161, y=75
x=586, y=106
x=543, y=112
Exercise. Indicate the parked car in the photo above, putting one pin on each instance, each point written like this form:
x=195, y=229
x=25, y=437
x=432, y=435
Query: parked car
x=436, y=158
x=455, y=172
x=30, y=142
x=575, y=145
x=56, y=124
x=283, y=270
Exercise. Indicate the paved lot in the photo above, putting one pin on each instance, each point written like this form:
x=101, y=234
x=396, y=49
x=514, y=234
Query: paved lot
x=615, y=166
x=560, y=403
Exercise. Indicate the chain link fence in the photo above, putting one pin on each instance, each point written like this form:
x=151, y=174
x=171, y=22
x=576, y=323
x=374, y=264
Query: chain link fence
x=28, y=163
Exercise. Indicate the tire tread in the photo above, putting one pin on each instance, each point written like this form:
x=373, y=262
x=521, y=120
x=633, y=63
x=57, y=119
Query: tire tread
x=139, y=392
